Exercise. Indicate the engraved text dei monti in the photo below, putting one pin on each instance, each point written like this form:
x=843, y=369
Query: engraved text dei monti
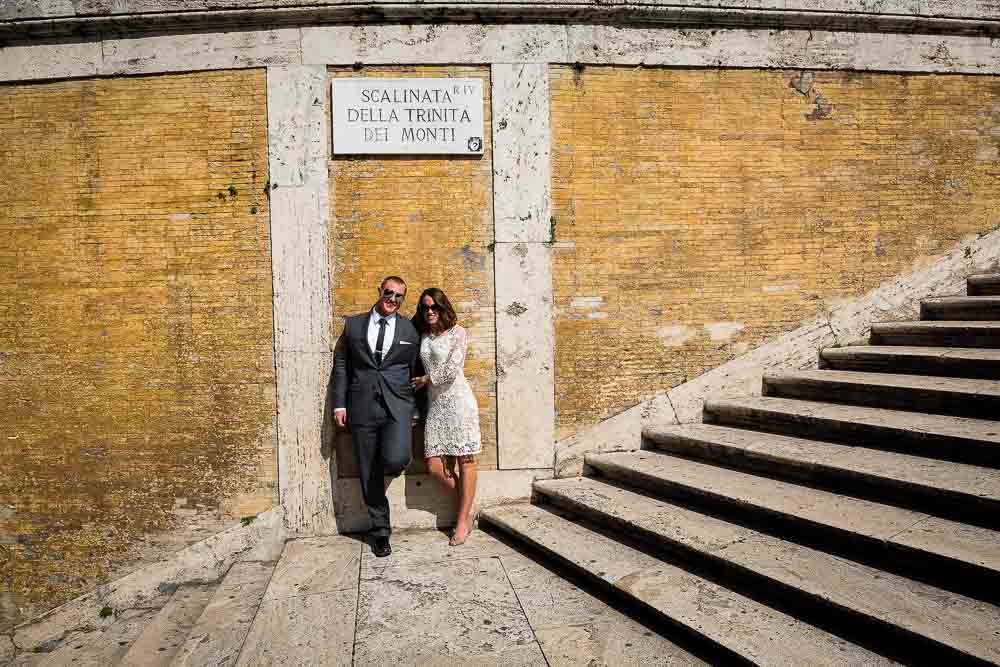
x=407, y=116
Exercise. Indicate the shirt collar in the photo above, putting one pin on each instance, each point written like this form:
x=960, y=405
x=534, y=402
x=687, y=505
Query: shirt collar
x=375, y=317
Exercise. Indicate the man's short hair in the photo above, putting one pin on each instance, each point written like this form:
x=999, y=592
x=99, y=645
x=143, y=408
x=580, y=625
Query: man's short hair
x=392, y=279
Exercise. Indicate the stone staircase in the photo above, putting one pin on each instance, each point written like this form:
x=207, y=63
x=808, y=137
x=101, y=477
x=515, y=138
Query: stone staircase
x=199, y=624
x=847, y=516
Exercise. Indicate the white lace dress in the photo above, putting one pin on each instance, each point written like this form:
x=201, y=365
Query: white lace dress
x=452, y=426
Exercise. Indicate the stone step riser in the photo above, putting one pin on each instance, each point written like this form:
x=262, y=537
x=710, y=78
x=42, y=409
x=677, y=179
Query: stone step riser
x=942, y=402
x=972, y=308
x=811, y=608
x=960, y=576
x=927, y=337
x=986, y=369
x=945, y=447
x=985, y=285
x=939, y=502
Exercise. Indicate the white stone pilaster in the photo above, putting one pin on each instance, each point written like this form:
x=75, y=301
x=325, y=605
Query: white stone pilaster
x=299, y=196
x=522, y=205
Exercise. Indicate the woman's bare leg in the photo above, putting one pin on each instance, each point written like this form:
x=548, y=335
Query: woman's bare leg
x=467, y=475
x=439, y=471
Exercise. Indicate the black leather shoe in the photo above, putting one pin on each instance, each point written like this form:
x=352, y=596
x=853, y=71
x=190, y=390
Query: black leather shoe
x=381, y=547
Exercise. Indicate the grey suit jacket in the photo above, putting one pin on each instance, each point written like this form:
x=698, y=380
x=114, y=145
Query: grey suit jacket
x=357, y=379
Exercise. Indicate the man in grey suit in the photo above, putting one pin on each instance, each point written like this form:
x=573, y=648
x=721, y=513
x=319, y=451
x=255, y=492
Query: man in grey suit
x=373, y=362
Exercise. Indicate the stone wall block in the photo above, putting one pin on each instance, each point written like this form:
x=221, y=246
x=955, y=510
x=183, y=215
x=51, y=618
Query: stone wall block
x=197, y=51
x=296, y=125
x=807, y=49
x=299, y=237
x=306, y=466
x=433, y=44
x=525, y=355
x=300, y=213
x=50, y=61
x=522, y=137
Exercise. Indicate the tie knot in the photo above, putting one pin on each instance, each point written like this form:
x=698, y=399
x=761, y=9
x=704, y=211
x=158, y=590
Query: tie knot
x=382, y=322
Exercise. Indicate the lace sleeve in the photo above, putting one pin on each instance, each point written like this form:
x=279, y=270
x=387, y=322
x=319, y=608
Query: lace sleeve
x=448, y=370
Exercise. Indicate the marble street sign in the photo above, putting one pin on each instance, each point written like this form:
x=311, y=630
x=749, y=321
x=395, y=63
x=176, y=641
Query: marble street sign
x=407, y=116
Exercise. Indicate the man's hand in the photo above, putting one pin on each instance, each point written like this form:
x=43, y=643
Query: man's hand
x=340, y=416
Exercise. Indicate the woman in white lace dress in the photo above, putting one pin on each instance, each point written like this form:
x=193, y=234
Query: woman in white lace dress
x=451, y=431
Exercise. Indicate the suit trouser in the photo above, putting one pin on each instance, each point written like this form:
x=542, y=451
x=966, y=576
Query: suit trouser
x=384, y=445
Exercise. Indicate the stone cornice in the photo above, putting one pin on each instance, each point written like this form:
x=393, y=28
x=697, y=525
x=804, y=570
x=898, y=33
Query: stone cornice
x=676, y=15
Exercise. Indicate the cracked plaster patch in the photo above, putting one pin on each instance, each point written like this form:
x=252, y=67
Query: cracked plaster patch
x=675, y=335
x=720, y=331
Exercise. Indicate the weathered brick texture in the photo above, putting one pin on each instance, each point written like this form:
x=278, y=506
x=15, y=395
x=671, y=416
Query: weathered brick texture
x=699, y=213
x=137, y=389
x=430, y=221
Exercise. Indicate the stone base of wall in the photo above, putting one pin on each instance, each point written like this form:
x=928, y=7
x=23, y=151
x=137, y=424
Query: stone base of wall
x=416, y=501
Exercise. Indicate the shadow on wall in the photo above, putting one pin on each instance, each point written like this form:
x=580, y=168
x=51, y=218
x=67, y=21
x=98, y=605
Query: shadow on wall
x=420, y=492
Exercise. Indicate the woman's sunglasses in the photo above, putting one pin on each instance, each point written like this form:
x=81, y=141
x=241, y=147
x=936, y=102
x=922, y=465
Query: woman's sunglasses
x=436, y=308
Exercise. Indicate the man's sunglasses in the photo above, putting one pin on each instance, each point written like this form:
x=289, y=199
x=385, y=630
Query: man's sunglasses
x=395, y=296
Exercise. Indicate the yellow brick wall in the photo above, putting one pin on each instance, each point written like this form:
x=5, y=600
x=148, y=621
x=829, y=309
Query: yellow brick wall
x=430, y=221
x=699, y=213
x=137, y=386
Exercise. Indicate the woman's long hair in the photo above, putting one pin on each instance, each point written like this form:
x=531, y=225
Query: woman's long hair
x=446, y=314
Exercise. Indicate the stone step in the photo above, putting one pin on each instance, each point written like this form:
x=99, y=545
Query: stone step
x=961, y=308
x=307, y=615
x=946, y=437
x=963, y=397
x=953, y=555
x=219, y=633
x=948, y=628
x=104, y=648
x=739, y=626
x=947, y=333
x=961, y=362
x=987, y=284
x=942, y=488
x=163, y=636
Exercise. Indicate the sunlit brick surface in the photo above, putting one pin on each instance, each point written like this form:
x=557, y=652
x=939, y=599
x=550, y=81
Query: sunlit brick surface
x=136, y=367
x=698, y=213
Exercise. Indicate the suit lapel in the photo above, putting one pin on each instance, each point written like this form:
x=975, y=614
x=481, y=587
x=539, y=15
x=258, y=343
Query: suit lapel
x=363, y=324
x=395, y=340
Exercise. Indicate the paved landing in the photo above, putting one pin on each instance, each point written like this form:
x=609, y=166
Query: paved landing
x=430, y=604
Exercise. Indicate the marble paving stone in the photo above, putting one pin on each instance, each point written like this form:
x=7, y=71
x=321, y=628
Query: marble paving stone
x=166, y=633
x=528, y=656
x=105, y=648
x=316, y=565
x=576, y=628
x=219, y=632
x=426, y=547
x=549, y=600
x=609, y=645
x=303, y=630
x=445, y=612
x=6, y=650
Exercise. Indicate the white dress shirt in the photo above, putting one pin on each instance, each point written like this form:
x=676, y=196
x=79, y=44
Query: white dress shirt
x=390, y=332
x=390, y=335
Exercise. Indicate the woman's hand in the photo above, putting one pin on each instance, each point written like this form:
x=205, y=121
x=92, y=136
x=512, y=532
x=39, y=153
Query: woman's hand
x=420, y=382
